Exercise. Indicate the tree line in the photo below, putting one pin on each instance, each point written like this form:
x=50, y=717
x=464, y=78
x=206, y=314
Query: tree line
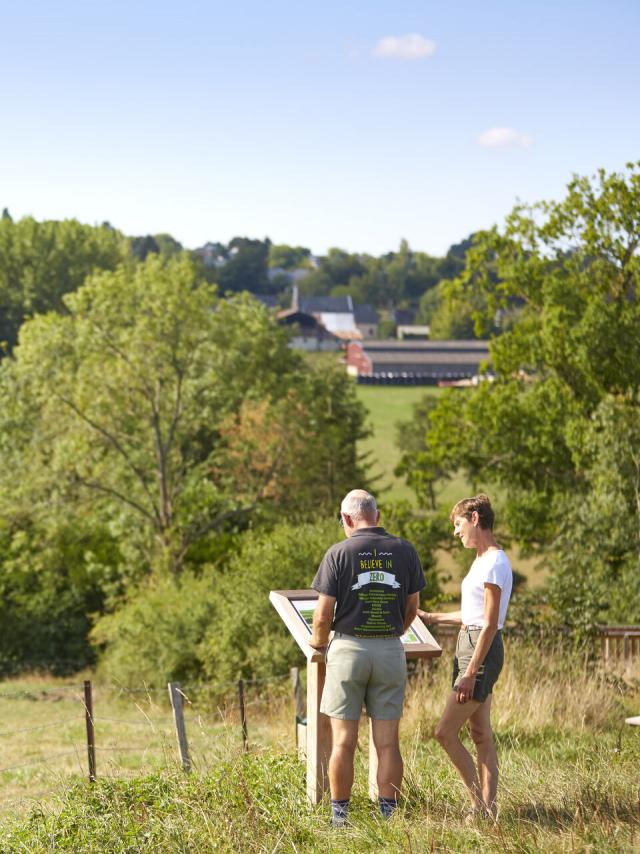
x=40, y=262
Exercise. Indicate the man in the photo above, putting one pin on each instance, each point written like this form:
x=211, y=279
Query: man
x=373, y=580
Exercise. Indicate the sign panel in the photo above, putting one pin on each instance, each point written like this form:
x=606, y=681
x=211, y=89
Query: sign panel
x=305, y=608
x=296, y=609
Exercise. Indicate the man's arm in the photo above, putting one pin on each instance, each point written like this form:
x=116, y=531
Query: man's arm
x=411, y=609
x=322, y=621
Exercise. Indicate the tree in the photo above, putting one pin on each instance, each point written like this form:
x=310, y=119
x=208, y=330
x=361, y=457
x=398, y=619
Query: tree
x=553, y=430
x=288, y=257
x=40, y=262
x=340, y=266
x=153, y=400
x=168, y=245
x=143, y=246
x=52, y=580
x=129, y=390
x=246, y=269
x=317, y=424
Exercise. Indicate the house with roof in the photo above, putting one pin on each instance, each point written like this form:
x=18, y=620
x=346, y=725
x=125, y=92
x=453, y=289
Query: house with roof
x=335, y=313
x=367, y=320
x=307, y=331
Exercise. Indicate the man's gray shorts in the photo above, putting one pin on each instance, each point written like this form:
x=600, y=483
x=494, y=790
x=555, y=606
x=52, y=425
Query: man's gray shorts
x=372, y=671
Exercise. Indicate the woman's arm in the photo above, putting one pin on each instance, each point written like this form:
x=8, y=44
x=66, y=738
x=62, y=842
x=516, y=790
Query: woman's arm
x=491, y=611
x=432, y=618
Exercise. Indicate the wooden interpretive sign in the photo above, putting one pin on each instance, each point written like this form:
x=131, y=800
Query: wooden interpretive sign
x=296, y=607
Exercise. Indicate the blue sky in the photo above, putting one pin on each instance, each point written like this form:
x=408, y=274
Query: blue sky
x=333, y=124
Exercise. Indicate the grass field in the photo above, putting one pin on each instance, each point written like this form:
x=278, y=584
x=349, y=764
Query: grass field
x=387, y=406
x=569, y=772
x=43, y=737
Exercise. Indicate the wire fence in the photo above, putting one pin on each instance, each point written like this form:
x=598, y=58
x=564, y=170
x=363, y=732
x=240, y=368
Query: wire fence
x=117, y=730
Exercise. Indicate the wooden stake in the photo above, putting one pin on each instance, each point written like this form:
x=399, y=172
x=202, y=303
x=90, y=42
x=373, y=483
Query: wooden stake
x=91, y=736
x=176, y=697
x=243, y=716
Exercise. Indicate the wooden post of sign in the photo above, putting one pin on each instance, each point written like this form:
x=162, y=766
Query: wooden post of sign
x=175, y=695
x=91, y=737
x=318, y=734
x=373, y=765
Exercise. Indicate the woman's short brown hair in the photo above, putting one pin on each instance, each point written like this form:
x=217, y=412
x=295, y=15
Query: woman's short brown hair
x=481, y=505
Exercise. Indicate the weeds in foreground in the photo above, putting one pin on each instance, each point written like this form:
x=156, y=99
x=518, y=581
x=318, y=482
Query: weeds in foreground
x=569, y=782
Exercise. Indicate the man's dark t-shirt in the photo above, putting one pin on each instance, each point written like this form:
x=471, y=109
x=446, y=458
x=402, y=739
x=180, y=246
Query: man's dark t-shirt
x=370, y=574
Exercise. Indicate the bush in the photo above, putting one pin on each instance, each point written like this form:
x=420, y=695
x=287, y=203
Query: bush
x=218, y=626
x=154, y=638
x=248, y=638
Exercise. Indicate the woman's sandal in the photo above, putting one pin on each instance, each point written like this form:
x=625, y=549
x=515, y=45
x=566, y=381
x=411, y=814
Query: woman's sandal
x=477, y=814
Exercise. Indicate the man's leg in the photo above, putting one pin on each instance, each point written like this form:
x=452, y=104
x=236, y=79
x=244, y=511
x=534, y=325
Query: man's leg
x=390, y=768
x=482, y=735
x=344, y=736
x=453, y=719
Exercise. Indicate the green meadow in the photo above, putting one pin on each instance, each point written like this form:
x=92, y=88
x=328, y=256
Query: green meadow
x=569, y=771
x=388, y=406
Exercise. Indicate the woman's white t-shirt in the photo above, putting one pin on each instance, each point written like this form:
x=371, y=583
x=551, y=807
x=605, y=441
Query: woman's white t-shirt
x=492, y=567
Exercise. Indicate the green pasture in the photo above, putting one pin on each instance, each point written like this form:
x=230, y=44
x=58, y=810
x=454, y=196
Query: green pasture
x=569, y=770
x=387, y=407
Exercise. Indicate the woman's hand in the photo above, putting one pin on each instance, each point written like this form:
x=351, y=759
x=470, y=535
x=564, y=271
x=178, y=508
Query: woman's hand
x=464, y=691
x=425, y=616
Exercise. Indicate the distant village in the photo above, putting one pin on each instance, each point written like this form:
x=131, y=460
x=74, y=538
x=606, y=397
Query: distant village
x=335, y=323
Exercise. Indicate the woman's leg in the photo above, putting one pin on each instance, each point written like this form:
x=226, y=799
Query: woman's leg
x=482, y=735
x=453, y=718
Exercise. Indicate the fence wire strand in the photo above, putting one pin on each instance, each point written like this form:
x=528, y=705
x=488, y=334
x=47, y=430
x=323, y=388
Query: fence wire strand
x=40, y=761
x=161, y=728
x=66, y=722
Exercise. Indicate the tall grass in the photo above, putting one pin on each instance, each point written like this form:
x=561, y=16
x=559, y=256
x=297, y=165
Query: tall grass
x=569, y=780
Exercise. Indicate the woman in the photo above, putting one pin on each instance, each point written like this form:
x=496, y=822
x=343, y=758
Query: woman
x=486, y=590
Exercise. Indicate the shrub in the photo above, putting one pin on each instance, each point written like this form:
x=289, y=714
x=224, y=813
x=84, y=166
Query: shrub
x=154, y=638
x=248, y=638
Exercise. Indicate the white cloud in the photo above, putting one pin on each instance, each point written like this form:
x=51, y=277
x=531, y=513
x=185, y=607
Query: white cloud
x=412, y=46
x=504, y=138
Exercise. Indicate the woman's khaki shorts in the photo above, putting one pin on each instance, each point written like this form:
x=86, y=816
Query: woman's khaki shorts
x=490, y=667
x=372, y=671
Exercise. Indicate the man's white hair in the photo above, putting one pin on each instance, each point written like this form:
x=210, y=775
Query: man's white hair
x=360, y=504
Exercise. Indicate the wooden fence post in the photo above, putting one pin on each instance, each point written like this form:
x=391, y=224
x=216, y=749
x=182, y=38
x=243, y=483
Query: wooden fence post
x=243, y=715
x=176, y=697
x=91, y=736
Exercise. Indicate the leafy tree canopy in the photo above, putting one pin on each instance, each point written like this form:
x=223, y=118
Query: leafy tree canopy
x=557, y=431
x=170, y=413
x=246, y=267
x=288, y=257
x=40, y=262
